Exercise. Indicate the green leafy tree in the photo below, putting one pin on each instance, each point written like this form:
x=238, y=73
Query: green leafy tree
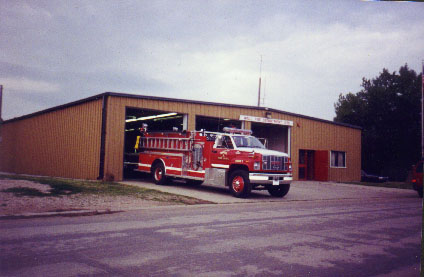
x=388, y=108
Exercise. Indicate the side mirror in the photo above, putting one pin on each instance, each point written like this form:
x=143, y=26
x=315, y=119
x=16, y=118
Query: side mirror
x=218, y=141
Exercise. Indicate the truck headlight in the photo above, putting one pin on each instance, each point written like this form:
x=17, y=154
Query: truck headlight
x=256, y=165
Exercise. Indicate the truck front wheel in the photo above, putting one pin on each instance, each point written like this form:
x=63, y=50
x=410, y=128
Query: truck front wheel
x=279, y=191
x=239, y=183
x=158, y=171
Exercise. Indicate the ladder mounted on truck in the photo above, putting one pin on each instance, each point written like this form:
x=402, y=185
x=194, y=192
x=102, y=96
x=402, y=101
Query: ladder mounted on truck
x=161, y=141
x=164, y=143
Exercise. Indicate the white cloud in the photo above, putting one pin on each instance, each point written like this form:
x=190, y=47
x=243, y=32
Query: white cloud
x=27, y=85
x=209, y=51
x=29, y=11
x=303, y=71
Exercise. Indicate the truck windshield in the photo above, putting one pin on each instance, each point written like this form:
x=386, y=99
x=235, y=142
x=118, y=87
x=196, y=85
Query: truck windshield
x=250, y=142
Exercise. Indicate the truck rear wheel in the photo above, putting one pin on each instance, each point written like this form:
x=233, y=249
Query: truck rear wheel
x=240, y=184
x=158, y=172
x=279, y=191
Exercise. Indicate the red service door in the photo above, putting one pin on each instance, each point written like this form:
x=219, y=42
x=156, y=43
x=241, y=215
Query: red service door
x=306, y=164
x=321, y=165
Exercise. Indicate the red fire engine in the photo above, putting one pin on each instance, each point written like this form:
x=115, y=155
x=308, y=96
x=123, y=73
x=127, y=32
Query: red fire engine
x=234, y=158
x=417, y=178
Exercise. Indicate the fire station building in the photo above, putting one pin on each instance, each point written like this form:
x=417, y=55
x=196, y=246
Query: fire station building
x=94, y=138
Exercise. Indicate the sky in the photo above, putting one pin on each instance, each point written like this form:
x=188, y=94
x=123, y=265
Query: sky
x=56, y=52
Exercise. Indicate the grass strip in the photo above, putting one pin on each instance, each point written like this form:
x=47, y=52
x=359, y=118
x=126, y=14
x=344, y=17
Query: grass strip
x=62, y=187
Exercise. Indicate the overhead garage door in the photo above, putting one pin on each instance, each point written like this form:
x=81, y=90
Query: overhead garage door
x=276, y=136
x=215, y=124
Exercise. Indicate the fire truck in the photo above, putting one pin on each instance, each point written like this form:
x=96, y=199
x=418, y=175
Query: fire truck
x=233, y=158
x=417, y=178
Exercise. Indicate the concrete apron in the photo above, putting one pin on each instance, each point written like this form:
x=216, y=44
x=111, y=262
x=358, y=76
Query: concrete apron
x=299, y=191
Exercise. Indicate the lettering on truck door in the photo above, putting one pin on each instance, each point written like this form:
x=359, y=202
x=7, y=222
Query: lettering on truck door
x=221, y=152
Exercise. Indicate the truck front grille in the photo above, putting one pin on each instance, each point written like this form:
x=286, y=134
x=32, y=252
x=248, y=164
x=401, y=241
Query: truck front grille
x=276, y=163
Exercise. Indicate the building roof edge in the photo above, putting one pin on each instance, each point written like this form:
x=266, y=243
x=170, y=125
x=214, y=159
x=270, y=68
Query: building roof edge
x=118, y=94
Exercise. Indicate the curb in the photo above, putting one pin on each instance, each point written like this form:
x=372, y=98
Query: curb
x=64, y=213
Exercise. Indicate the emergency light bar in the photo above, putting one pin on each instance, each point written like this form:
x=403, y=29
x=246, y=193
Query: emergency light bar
x=237, y=131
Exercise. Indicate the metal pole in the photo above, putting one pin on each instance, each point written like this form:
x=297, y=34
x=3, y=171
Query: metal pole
x=259, y=93
x=422, y=110
x=103, y=138
x=259, y=90
x=1, y=119
x=1, y=101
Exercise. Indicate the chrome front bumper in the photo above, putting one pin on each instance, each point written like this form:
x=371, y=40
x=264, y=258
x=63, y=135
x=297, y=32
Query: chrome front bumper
x=270, y=179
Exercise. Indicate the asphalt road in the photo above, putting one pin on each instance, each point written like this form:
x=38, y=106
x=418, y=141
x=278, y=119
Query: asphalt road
x=336, y=237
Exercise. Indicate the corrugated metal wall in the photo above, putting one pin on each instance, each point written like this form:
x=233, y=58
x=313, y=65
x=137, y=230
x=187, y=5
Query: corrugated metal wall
x=306, y=133
x=315, y=135
x=64, y=142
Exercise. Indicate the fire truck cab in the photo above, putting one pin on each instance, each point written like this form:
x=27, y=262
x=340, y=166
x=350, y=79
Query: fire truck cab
x=233, y=158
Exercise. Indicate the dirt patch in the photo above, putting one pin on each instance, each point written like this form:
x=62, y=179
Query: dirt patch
x=11, y=203
x=9, y=184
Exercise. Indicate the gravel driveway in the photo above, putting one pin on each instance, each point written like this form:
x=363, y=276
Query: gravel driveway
x=10, y=204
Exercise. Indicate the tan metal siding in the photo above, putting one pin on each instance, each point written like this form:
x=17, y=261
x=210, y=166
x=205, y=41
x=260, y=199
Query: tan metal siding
x=115, y=138
x=64, y=143
x=7, y=147
x=315, y=135
x=306, y=133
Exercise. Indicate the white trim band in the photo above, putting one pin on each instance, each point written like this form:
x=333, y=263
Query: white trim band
x=220, y=165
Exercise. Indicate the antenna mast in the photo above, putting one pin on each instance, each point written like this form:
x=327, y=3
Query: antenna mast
x=1, y=100
x=422, y=110
x=259, y=90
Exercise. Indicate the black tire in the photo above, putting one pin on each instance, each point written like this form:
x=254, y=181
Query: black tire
x=239, y=184
x=158, y=173
x=279, y=191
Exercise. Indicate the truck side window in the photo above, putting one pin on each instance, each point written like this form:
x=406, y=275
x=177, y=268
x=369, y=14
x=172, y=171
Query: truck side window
x=224, y=142
x=227, y=143
x=238, y=141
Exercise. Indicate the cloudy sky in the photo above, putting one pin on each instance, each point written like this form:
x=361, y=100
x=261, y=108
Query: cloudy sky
x=55, y=52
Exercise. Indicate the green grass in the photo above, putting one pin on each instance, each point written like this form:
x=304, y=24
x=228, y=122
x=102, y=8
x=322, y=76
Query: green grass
x=20, y=191
x=397, y=185
x=62, y=187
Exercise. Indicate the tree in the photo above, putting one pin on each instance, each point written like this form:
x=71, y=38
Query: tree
x=388, y=109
